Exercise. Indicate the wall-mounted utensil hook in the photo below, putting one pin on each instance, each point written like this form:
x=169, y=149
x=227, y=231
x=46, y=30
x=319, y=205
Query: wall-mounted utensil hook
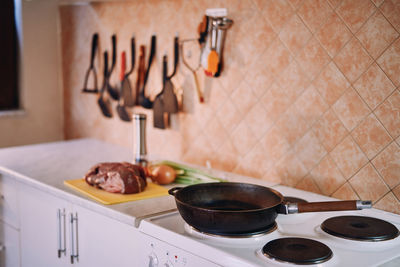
x=126, y=92
x=103, y=101
x=112, y=91
x=192, y=69
x=92, y=68
x=212, y=50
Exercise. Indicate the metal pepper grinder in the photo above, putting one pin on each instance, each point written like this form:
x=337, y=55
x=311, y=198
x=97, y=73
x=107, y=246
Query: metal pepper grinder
x=140, y=147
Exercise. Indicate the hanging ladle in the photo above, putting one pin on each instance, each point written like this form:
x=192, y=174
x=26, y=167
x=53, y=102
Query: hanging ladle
x=222, y=25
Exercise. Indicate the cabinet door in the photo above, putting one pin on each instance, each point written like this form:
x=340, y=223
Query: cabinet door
x=103, y=241
x=8, y=200
x=41, y=227
x=9, y=246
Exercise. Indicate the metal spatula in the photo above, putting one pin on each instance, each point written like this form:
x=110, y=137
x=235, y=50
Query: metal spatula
x=169, y=97
x=158, y=104
x=143, y=100
x=121, y=110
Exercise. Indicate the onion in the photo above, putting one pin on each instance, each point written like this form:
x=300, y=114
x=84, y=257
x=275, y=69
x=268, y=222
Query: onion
x=162, y=174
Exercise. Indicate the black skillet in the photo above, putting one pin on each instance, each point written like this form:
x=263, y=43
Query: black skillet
x=238, y=208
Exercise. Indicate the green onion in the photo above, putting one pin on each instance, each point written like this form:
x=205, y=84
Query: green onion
x=188, y=175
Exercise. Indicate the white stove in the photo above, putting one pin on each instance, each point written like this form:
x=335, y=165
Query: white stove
x=169, y=241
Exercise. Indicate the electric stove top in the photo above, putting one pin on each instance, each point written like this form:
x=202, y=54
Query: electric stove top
x=313, y=239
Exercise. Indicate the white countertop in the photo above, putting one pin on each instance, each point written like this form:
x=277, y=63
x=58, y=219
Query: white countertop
x=46, y=166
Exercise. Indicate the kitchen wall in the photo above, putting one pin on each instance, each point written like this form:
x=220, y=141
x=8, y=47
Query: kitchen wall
x=309, y=96
x=40, y=118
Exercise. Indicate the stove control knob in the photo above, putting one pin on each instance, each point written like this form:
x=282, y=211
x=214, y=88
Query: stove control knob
x=153, y=260
x=168, y=264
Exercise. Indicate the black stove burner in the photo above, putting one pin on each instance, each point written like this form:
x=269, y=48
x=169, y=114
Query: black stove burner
x=297, y=250
x=294, y=200
x=268, y=229
x=360, y=228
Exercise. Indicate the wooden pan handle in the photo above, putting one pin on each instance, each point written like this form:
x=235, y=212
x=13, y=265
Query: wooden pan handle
x=327, y=206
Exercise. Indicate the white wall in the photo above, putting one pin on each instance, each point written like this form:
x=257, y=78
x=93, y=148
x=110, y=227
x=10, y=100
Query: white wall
x=40, y=85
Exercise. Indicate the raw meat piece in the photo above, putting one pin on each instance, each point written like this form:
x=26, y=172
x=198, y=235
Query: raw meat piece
x=115, y=177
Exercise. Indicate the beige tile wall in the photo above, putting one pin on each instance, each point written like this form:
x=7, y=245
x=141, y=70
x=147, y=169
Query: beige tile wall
x=309, y=96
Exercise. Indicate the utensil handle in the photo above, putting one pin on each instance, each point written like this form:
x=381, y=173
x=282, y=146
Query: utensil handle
x=151, y=57
x=197, y=84
x=105, y=72
x=173, y=190
x=114, y=52
x=165, y=70
x=176, y=56
x=95, y=41
x=123, y=66
x=133, y=55
x=329, y=206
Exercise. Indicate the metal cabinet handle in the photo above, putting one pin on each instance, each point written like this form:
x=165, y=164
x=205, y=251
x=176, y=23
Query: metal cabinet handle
x=61, y=233
x=74, y=237
x=2, y=247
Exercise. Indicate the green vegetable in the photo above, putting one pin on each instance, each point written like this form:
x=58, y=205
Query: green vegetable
x=188, y=175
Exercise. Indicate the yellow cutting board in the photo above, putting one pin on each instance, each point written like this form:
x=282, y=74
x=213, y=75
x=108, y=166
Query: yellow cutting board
x=104, y=197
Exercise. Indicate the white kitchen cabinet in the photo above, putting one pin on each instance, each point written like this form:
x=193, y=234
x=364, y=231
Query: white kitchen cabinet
x=9, y=246
x=103, y=241
x=87, y=238
x=8, y=200
x=41, y=228
x=9, y=222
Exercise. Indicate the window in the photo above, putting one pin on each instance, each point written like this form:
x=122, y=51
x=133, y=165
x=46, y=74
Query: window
x=9, y=93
